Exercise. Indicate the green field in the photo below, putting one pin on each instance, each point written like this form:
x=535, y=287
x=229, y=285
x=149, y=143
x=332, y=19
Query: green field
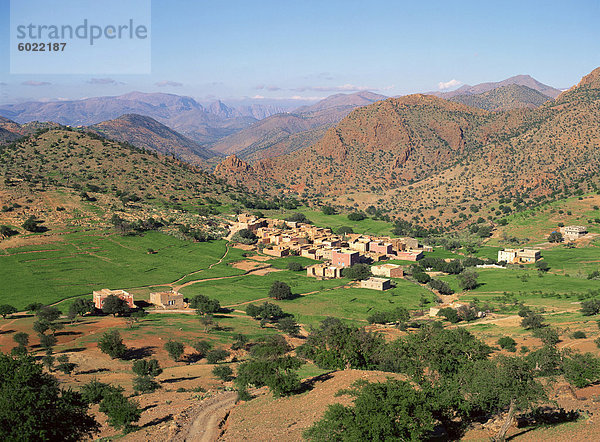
x=318, y=218
x=82, y=262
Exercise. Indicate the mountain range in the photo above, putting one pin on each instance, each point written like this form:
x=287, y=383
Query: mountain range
x=420, y=154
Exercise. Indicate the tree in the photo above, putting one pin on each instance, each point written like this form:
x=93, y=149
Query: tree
x=81, y=307
x=532, y=321
x=202, y=347
x=500, y=385
x=32, y=224
x=555, y=237
x=7, y=231
x=94, y=391
x=581, y=370
x=215, y=356
x=279, y=374
x=542, y=266
x=205, y=305
x=34, y=407
x=295, y=266
x=175, y=349
x=398, y=315
x=468, y=279
x=288, y=325
x=357, y=272
x=590, y=307
x=508, y=343
x=450, y=314
x=65, y=365
x=21, y=338
x=328, y=210
x=357, y=216
x=112, y=344
x=298, y=217
x=147, y=367
x=441, y=286
x=113, y=305
x=245, y=236
x=145, y=384
x=7, y=309
x=48, y=341
x=266, y=311
x=33, y=307
x=280, y=290
x=391, y=410
x=120, y=411
x=548, y=335
x=223, y=372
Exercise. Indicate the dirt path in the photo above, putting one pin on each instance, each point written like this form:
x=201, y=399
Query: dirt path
x=216, y=278
x=206, y=426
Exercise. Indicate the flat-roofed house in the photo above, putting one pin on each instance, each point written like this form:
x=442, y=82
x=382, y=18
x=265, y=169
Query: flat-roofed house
x=374, y=283
x=528, y=255
x=167, y=300
x=100, y=295
x=380, y=247
x=360, y=244
x=323, y=271
x=344, y=258
x=507, y=255
x=573, y=232
x=414, y=255
x=388, y=270
x=277, y=251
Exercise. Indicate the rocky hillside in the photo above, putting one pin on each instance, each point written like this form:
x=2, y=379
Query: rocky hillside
x=180, y=113
x=287, y=132
x=519, y=80
x=147, y=133
x=421, y=154
x=86, y=162
x=504, y=98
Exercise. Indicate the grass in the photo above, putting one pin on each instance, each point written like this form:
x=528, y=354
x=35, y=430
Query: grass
x=318, y=218
x=83, y=262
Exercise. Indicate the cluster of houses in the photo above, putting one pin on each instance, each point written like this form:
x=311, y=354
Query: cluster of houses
x=163, y=300
x=282, y=238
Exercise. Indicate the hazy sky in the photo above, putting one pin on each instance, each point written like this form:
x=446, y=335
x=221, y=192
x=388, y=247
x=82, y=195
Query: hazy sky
x=282, y=49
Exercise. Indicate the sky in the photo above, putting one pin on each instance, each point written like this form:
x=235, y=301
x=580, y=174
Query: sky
x=283, y=50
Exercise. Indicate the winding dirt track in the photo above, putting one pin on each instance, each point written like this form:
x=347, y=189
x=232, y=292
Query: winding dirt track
x=206, y=426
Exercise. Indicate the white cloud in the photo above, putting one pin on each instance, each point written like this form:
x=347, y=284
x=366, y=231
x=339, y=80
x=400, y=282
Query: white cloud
x=449, y=84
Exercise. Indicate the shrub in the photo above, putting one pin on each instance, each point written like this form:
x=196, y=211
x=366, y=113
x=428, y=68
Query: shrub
x=579, y=335
x=215, y=356
x=508, y=343
x=280, y=290
x=147, y=367
x=94, y=391
x=145, y=384
x=223, y=372
x=202, y=347
x=450, y=314
x=288, y=325
x=357, y=272
x=590, y=307
x=295, y=266
x=245, y=236
x=120, y=411
x=175, y=349
x=112, y=344
x=357, y=216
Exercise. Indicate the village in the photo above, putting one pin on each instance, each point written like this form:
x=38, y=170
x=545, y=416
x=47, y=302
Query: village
x=279, y=238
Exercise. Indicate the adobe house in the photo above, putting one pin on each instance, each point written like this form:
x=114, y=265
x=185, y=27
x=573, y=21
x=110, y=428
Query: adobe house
x=519, y=256
x=100, y=295
x=323, y=271
x=360, y=244
x=380, y=247
x=373, y=283
x=167, y=300
x=388, y=270
x=573, y=232
x=409, y=256
x=344, y=258
x=277, y=251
